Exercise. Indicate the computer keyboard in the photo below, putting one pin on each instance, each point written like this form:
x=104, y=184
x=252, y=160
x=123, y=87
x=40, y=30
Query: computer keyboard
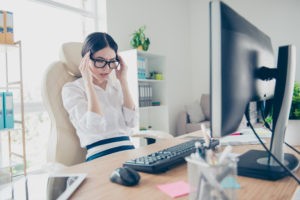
x=165, y=159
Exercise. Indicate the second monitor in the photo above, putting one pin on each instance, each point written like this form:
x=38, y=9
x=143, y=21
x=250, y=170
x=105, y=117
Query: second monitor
x=243, y=70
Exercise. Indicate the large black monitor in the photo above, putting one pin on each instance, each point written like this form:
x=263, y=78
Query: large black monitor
x=243, y=70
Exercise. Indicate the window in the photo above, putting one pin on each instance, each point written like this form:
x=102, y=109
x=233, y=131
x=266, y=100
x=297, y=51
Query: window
x=42, y=26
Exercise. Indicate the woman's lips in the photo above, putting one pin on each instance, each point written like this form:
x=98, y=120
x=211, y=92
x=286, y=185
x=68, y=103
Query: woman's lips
x=104, y=74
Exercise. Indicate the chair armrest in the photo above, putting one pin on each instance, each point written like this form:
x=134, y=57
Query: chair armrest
x=181, y=123
x=153, y=134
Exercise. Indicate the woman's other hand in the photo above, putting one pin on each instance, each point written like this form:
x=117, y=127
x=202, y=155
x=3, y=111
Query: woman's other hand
x=85, y=70
x=122, y=72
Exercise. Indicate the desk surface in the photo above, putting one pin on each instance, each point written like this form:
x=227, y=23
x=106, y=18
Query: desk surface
x=98, y=186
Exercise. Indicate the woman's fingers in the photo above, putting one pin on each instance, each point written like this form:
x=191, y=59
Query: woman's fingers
x=123, y=65
x=85, y=61
x=85, y=69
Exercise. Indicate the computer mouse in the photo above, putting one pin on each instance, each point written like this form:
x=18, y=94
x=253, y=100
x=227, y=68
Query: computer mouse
x=125, y=176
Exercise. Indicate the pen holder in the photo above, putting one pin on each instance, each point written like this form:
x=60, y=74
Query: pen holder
x=209, y=181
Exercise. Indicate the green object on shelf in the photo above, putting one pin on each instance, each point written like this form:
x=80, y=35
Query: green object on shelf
x=143, y=128
x=158, y=76
x=156, y=103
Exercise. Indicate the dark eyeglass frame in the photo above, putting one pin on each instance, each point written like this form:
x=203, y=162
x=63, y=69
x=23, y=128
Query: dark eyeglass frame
x=106, y=62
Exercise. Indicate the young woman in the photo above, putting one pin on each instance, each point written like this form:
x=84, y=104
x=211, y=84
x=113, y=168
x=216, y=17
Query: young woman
x=100, y=107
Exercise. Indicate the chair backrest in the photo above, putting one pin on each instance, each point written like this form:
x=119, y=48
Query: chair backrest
x=63, y=145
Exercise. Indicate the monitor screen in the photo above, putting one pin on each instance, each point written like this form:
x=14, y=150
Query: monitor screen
x=243, y=70
x=238, y=50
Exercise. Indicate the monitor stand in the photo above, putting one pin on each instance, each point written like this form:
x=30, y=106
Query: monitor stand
x=254, y=164
x=257, y=163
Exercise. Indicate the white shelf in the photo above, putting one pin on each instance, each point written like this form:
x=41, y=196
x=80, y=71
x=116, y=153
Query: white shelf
x=9, y=86
x=149, y=55
x=152, y=107
x=10, y=129
x=155, y=116
x=151, y=80
x=7, y=47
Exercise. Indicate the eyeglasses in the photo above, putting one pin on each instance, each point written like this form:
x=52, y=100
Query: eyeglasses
x=101, y=63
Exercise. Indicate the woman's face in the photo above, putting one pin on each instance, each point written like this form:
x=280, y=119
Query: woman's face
x=106, y=54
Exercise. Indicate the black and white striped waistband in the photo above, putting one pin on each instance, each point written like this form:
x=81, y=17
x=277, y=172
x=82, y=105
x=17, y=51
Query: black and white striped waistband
x=108, y=146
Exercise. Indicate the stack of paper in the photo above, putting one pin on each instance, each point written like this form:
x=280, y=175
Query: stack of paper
x=239, y=140
x=246, y=136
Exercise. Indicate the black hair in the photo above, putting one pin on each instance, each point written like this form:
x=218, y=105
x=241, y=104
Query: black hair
x=97, y=41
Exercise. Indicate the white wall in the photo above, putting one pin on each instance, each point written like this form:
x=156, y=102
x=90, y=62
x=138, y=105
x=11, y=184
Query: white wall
x=179, y=29
x=168, y=28
x=277, y=18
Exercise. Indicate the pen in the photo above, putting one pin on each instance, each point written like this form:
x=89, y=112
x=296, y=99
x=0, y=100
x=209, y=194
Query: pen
x=205, y=135
x=225, y=153
x=200, y=149
x=236, y=133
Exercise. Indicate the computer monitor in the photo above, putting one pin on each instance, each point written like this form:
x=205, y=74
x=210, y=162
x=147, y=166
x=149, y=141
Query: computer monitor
x=243, y=70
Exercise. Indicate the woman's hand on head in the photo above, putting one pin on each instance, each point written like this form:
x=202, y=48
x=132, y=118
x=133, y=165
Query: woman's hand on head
x=121, y=73
x=84, y=68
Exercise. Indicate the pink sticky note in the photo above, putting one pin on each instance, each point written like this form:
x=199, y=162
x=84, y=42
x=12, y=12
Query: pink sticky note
x=176, y=189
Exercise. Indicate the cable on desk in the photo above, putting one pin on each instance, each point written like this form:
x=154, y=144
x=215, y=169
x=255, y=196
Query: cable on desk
x=268, y=151
x=267, y=125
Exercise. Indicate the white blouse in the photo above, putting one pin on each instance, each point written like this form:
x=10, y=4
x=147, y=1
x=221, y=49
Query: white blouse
x=91, y=127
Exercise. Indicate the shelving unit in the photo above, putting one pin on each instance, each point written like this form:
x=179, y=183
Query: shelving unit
x=153, y=113
x=15, y=86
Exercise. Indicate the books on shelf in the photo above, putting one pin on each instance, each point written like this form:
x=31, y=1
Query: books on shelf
x=1, y=111
x=6, y=27
x=6, y=110
x=142, y=69
x=145, y=94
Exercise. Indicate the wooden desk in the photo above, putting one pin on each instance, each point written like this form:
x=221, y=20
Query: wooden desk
x=98, y=186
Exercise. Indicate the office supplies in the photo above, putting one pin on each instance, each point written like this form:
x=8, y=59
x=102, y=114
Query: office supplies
x=6, y=27
x=230, y=182
x=8, y=109
x=225, y=154
x=164, y=159
x=125, y=176
x=207, y=178
x=200, y=149
x=236, y=133
x=2, y=27
x=262, y=132
x=239, y=140
x=176, y=189
x=9, y=32
x=206, y=135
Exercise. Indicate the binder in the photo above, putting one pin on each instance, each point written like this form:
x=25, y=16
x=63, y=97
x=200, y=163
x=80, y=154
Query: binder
x=1, y=111
x=9, y=32
x=8, y=110
x=143, y=95
x=6, y=27
x=2, y=33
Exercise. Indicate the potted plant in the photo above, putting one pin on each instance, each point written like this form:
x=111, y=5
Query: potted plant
x=139, y=39
x=295, y=107
x=292, y=135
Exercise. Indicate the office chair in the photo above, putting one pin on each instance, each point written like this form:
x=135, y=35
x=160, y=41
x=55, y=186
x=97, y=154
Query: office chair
x=63, y=145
